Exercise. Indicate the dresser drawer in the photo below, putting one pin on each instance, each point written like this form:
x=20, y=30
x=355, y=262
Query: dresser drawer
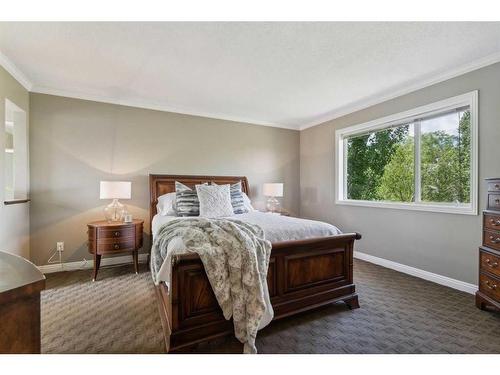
x=116, y=233
x=489, y=286
x=490, y=263
x=491, y=239
x=118, y=245
x=494, y=186
x=491, y=222
x=494, y=202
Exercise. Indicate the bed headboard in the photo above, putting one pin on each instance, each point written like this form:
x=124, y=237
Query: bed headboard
x=160, y=184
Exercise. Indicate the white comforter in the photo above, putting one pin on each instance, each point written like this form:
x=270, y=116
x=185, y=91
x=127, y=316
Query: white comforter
x=276, y=228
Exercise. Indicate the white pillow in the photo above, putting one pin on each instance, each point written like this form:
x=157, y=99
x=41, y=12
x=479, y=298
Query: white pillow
x=247, y=203
x=165, y=206
x=215, y=200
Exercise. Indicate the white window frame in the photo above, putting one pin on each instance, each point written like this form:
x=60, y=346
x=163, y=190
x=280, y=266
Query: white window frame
x=469, y=99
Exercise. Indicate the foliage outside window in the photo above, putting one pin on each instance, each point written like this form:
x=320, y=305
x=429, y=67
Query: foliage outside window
x=423, y=159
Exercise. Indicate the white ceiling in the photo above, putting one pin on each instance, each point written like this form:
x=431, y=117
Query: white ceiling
x=283, y=74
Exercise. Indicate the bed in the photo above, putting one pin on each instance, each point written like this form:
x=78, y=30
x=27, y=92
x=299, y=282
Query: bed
x=304, y=272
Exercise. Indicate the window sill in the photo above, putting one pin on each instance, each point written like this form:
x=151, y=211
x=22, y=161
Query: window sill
x=461, y=210
x=16, y=201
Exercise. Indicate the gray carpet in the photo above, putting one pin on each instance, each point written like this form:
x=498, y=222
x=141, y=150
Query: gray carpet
x=398, y=314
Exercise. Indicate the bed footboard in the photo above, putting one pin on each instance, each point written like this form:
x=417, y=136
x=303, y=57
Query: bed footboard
x=302, y=275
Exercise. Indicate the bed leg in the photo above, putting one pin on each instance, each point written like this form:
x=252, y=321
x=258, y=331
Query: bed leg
x=352, y=302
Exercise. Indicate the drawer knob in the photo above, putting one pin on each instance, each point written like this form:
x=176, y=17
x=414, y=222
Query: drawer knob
x=494, y=222
x=490, y=285
x=497, y=201
x=497, y=186
x=117, y=234
x=492, y=265
x=494, y=240
x=116, y=246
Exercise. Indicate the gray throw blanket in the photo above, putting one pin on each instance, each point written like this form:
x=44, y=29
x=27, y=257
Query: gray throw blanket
x=235, y=256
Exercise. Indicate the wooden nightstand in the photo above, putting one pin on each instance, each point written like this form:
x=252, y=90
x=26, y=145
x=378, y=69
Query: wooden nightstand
x=112, y=238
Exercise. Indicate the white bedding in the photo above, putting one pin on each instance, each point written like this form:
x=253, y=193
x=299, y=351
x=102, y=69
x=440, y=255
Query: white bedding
x=276, y=228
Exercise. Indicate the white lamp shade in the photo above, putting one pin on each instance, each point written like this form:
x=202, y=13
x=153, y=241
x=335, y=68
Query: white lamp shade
x=273, y=189
x=115, y=190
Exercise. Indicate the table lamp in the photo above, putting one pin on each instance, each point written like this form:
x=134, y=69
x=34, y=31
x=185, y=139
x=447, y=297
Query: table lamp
x=273, y=190
x=115, y=190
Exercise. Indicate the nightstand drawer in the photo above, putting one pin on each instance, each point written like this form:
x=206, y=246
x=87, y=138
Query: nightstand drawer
x=118, y=245
x=489, y=286
x=116, y=233
x=490, y=263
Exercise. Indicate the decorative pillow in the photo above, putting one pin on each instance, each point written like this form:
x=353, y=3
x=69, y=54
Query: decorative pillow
x=237, y=200
x=186, y=201
x=215, y=200
x=165, y=206
x=247, y=202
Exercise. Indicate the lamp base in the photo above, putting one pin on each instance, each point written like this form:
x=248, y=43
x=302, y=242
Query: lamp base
x=273, y=205
x=114, y=211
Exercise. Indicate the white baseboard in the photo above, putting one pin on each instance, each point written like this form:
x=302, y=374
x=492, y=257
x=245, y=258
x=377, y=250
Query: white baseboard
x=80, y=265
x=426, y=275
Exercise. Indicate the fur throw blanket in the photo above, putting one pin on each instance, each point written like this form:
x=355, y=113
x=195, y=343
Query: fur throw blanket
x=235, y=256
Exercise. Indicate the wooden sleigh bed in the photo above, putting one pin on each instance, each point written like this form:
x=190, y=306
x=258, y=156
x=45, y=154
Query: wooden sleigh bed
x=303, y=275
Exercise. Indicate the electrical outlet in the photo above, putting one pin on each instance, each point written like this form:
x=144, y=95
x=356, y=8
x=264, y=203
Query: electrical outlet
x=60, y=246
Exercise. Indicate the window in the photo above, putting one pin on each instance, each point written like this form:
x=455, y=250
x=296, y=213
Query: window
x=423, y=159
x=16, y=154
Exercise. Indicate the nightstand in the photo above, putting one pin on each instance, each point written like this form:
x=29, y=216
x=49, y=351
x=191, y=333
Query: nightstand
x=114, y=237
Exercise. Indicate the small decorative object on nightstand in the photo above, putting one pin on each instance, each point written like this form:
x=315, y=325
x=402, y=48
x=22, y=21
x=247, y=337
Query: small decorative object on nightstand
x=113, y=238
x=272, y=191
x=283, y=212
x=489, y=254
x=280, y=211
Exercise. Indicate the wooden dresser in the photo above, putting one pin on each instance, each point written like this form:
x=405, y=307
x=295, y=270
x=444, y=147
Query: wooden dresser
x=20, y=285
x=488, y=294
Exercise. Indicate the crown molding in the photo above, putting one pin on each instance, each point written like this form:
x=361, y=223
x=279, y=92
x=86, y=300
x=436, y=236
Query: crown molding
x=403, y=90
x=413, y=86
x=154, y=106
x=15, y=72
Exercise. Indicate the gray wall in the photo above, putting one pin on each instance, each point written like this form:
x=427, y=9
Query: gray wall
x=14, y=219
x=445, y=244
x=76, y=143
